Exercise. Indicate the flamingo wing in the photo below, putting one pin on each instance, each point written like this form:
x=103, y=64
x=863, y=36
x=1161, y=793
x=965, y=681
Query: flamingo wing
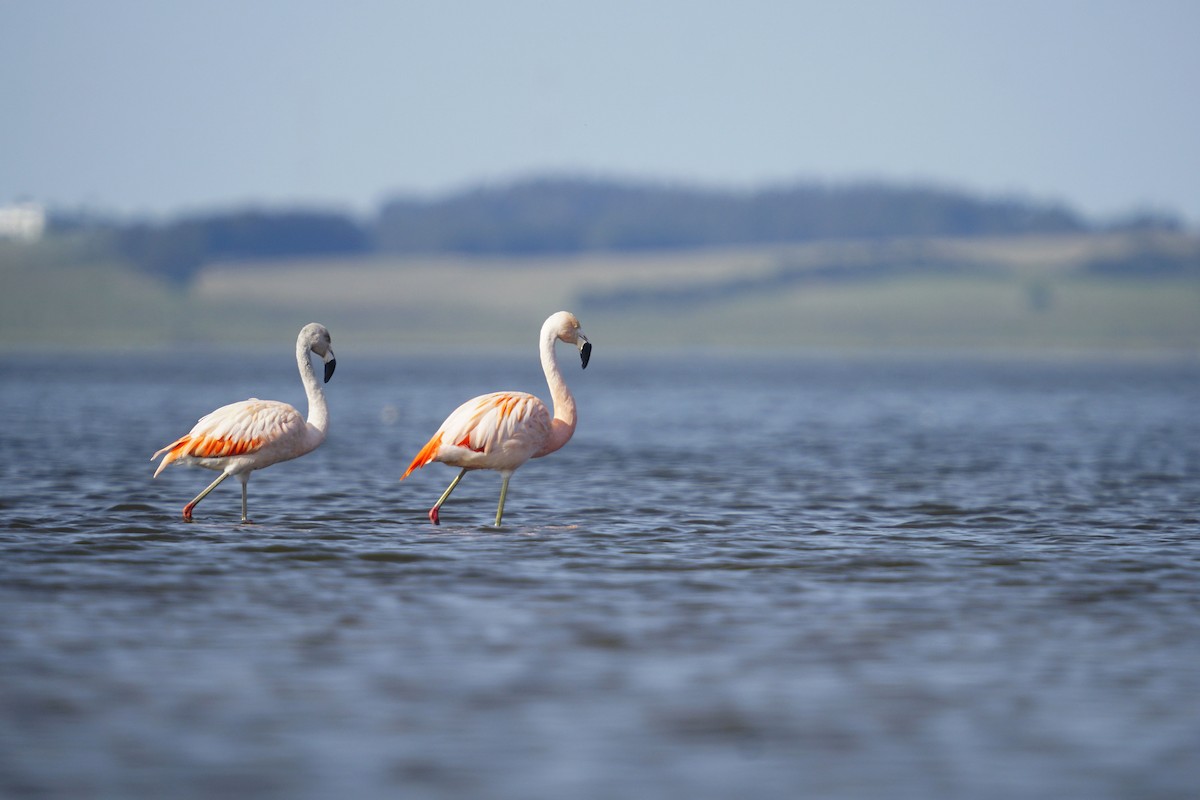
x=234, y=430
x=502, y=428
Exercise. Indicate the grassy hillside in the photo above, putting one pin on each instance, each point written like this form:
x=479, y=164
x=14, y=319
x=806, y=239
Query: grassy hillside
x=1012, y=293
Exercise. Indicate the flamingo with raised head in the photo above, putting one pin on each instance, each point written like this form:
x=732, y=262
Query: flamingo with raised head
x=503, y=430
x=241, y=437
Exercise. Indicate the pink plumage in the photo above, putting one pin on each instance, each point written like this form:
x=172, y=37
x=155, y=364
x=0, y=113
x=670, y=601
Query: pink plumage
x=492, y=431
x=238, y=429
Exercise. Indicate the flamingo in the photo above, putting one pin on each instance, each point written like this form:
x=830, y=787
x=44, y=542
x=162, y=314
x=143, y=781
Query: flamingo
x=241, y=437
x=503, y=430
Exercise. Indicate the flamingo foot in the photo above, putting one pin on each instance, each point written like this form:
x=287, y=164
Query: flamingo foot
x=187, y=511
x=433, y=516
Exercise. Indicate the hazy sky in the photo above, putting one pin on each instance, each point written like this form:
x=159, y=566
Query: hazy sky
x=157, y=107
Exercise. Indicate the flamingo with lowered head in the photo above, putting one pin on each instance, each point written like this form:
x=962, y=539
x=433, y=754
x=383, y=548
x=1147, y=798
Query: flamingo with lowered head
x=503, y=430
x=241, y=437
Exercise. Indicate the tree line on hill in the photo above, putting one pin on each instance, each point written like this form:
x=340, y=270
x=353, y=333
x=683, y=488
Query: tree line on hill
x=569, y=215
x=565, y=215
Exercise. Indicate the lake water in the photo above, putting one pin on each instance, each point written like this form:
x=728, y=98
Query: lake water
x=774, y=577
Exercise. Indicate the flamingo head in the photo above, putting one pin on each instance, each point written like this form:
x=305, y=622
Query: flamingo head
x=566, y=328
x=316, y=338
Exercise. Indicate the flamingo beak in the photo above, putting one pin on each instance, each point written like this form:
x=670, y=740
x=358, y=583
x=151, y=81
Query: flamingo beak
x=330, y=364
x=585, y=350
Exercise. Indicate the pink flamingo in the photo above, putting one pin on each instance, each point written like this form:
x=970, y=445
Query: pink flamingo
x=503, y=430
x=241, y=437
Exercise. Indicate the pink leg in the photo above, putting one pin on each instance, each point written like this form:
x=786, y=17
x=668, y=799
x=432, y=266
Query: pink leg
x=433, y=516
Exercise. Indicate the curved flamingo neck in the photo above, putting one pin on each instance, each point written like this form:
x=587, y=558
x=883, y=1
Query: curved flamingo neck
x=563, y=426
x=318, y=411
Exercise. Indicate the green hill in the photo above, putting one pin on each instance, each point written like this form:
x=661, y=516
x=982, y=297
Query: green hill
x=1028, y=294
x=647, y=265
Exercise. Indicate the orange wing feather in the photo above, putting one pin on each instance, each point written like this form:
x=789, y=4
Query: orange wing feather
x=485, y=423
x=234, y=430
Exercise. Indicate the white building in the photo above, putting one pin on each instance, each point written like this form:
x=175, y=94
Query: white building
x=25, y=221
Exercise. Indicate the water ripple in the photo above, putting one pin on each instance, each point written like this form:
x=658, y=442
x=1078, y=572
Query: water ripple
x=923, y=580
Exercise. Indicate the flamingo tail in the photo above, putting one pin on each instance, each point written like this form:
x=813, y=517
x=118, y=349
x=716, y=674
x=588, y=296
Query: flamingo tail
x=173, y=451
x=427, y=454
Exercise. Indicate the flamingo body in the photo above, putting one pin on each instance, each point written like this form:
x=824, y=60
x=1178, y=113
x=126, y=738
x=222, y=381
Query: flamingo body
x=239, y=438
x=251, y=434
x=502, y=430
x=499, y=431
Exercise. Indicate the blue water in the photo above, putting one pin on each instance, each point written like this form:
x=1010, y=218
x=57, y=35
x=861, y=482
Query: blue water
x=766, y=577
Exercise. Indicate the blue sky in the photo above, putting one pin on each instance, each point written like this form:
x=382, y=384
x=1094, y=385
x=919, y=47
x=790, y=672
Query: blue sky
x=157, y=108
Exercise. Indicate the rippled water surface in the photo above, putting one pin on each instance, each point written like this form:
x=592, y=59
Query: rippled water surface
x=766, y=578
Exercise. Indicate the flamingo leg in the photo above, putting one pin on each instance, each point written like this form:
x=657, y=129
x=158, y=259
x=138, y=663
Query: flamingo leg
x=503, y=494
x=245, y=482
x=187, y=510
x=433, y=512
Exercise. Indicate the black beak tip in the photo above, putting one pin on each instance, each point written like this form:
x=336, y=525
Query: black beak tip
x=585, y=353
x=330, y=366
